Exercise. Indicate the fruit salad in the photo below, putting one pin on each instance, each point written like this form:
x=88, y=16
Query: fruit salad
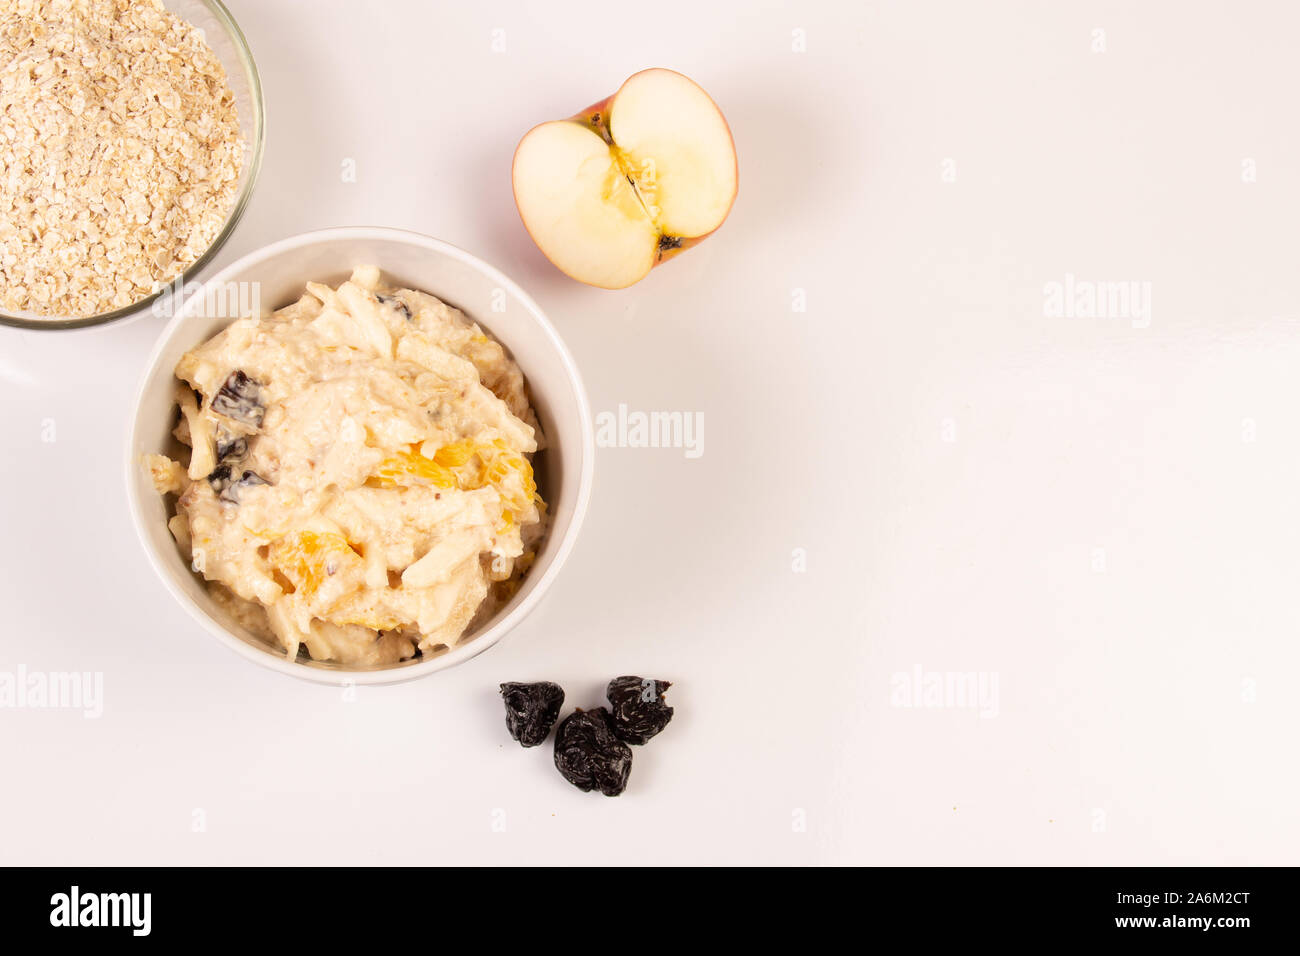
x=359, y=485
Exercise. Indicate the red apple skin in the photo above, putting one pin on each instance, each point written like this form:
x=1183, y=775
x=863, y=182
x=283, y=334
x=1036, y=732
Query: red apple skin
x=595, y=116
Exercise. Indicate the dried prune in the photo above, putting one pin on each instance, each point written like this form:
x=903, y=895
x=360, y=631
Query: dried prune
x=240, y=398
x=228, y=488
x=637, y=706
x=531, y=710
x=589, y=756
x=230, y=445
x=396, y=303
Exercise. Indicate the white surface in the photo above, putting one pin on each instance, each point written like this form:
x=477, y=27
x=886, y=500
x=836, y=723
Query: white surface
x=1158, y=691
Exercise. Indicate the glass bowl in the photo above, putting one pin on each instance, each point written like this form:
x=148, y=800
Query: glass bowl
x=223, y=35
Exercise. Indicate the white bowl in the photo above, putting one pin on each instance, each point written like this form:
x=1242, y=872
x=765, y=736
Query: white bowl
x=276, y=275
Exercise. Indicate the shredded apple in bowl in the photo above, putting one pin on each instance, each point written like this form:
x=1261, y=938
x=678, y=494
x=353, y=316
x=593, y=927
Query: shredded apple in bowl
x=359, y=480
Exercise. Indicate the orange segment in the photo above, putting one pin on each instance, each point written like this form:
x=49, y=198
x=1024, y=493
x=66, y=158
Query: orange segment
x=307, y=558
x=412, y=468
x=467, y=465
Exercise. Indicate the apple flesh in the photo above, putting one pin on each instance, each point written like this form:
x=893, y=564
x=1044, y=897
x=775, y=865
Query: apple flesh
x=629, y=183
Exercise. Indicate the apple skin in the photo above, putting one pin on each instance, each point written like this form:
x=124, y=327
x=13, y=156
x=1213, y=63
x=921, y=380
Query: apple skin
x=594, y=117
x=594, y=114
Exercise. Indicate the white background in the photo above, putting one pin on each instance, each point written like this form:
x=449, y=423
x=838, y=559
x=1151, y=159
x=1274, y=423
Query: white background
x=1104, y=517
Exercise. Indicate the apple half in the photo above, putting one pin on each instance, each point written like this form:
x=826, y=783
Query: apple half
x=629, y=183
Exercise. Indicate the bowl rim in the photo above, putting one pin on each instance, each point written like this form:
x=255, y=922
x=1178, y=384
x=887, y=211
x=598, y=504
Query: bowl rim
x=401, y=673
x=254, y=166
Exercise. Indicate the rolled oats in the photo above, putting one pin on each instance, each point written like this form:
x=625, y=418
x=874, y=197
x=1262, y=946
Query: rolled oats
x=120, y=153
